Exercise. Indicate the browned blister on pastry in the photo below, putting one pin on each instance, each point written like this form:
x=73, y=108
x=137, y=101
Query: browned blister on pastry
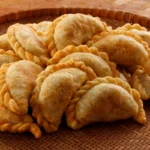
x=17, y=80
x=104, y=100
x=8, y=56
x=123, y=48
x=14, y=123
x=141, y=82
x=27, y=44
x=98, y=61
x=72, y=29
x=54, y=88
x=138, y=30
x=4, y=44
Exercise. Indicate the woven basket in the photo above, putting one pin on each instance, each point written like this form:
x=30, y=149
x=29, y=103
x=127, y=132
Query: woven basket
x=122, y=135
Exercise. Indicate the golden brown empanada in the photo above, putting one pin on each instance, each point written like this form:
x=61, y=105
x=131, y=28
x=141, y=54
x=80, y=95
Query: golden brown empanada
x=141, y=82
x=72, y=29
x=104, y=100
x=138, y=30
x=27, y=44
x=8, y=56
x=123, y=48
x=4, y=44
x=17, y=81
x=12, y=122
x=98, y=61
x=54, y=88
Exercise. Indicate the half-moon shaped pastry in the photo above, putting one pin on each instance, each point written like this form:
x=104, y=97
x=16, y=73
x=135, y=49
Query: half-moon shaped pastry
x=8, y=56
x=72, y=29
x=14, y=123
x=124, y=48
x=27, y=44
x=54, y=88
x=138, y=30
x=98, y=61
x=104, y=100
x=141, y=82
x=17, y=80
x=4, y=44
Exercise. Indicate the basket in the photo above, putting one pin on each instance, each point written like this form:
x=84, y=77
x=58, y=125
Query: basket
x=119, y=135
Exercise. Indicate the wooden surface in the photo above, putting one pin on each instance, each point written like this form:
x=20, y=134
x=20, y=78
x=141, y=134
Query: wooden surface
x=139, y=7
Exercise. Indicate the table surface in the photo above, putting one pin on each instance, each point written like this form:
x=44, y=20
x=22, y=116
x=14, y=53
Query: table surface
x=139, y=7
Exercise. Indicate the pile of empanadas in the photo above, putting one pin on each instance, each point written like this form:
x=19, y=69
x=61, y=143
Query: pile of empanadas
x=76, y=66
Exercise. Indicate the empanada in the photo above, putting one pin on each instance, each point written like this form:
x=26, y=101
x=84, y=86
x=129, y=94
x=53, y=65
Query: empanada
x=27, y=44
x=98, y=61
x=4, y=44
x=72, y=29
x=8, y=56
x=138, y=30
x=104, y=100
x=17, y=80
x=123, y=48
x=54, y=88
x=12, y=122
x=141, y=82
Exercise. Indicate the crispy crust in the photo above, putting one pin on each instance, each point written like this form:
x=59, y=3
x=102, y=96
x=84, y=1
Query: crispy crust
x=20, y=128
x=5, y=96
x=21, y=51
x=49, y=126
x=50, y=42
x=84, y=49
x=128, y=27
x=73, y=122
x=118, y=32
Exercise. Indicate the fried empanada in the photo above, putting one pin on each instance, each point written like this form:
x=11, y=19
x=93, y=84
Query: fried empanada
x=141, y=82
x=27, y=44
x=98, y=61
x=54, y=88
x=123, y=48
x=4, y=44
x=138, y=30
x=14, y=123
x=104, y=100
x=8, y=56
x=72, y=29
x=17, y=80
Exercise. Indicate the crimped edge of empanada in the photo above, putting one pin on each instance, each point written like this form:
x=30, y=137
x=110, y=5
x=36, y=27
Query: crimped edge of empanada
x=49, y=126
x=129, y=26
x=50, y=42
x=71, y=120
x=20, y=128
x=9, y=52
x=42, y=60
x=84, y=49
x=104, y=34
x=135, y=75
x=5, y=96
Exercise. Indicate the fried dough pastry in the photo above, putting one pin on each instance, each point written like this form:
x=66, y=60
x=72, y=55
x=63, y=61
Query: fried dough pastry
x=40, y=27
x=54, y=88
x=8, y=56
x=72, y=29
x=123, y=48
x=17, y=80
x=98, y=61
x=14, y=123
x=141, y=82
x=27, y=44
x=104, y=100
x=138, y=30
x=4, y=44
